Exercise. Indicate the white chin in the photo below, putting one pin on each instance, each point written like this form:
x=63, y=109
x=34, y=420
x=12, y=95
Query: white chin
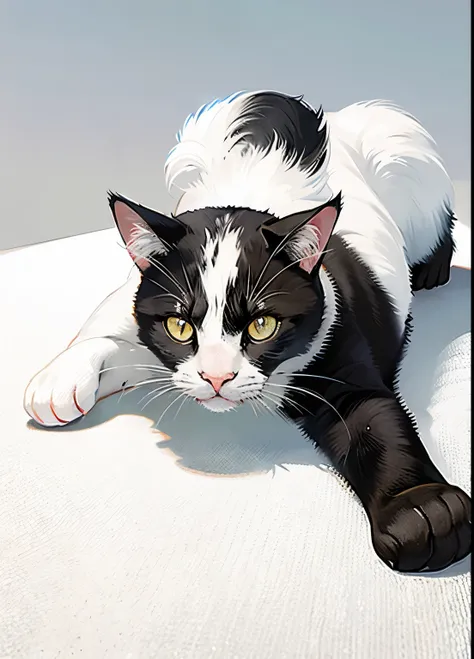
x=218, y=404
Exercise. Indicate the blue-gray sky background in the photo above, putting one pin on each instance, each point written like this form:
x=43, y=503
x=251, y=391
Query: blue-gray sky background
x=93, y=92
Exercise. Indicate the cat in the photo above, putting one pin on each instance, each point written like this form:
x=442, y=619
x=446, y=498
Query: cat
x=285, y=277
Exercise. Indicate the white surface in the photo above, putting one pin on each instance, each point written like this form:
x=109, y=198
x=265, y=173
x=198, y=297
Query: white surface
x=462, y=237
x=227, y=540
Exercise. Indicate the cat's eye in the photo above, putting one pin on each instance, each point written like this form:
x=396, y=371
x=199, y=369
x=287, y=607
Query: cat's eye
x=179, y=329
x=263, y=328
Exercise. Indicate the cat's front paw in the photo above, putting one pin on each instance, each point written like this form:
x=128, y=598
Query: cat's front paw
x=426, y=528
x=66, y=389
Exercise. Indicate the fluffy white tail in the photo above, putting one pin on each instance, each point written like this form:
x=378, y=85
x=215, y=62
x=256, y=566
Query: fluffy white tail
x=270, y=152
x=401, y=164
x=261, y=150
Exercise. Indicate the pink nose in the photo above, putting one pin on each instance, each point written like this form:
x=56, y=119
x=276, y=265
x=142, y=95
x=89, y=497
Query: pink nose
x=216, y=381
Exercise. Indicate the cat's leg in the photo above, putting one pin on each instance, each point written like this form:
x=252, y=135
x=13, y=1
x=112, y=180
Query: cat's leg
x=102, y=359
x=418, y=520
x=434, y=270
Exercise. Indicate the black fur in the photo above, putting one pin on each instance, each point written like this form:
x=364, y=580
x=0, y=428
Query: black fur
x=301, y=130
x=371, y=309
x=300, y=319
x=169, y=229
x=345, y=399
x=368, y=432
x=435, y=271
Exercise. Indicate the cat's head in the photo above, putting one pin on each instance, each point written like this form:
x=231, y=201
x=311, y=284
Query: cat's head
x=227, y=295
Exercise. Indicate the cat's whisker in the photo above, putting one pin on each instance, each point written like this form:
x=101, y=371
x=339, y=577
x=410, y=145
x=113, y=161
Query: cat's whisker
x=255, y=401
x=276, y=251
x=175, y=400
x=146, y=276
x=122, y=394
x=165, y=271
x=133, y=387
x=271, y=410
x=325, y=251
x=290, y=265
x=259, y=407
x=275, y=398
x=144, y=383
x=278, y=400
x=315, y=395
x=301, y=375
x=188, y=397
x=314, y=375
x=248, y=284
x=139, y=367
x=158, y=297
x=162, y=383
x=276, y=412
x=152, y=393
x=297, y=406
x=251, y=403
x=270, y=295
x=188, y=283
x=161, y=391
x=254, y=404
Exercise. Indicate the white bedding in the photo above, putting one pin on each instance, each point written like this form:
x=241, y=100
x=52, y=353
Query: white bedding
x=226, y=540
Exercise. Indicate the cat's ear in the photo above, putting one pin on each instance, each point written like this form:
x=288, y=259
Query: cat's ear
x=145, y=232
x=304, y=235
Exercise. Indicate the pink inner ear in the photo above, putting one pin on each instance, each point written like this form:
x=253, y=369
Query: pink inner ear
x=324, y=222
x=128, y=221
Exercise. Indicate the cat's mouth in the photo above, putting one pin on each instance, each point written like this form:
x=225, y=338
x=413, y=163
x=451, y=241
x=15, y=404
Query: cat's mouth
x=219, y=403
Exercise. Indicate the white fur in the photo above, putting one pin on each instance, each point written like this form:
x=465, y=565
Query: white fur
x=226, y=174
x=144, y=243
x=218, y=352
x=217, y=277
x=304, y=244
x=395, y=187
x=403, y=167
x=227, y=352
x=102, y=357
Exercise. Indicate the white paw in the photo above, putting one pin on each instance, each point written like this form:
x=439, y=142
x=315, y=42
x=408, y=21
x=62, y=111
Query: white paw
x=66, y=389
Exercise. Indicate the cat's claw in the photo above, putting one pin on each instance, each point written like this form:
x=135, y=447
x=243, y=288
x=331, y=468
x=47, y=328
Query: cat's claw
x=66, y=389
x=426, y=528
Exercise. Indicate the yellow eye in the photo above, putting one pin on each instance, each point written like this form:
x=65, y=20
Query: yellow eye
x=179, y=329
x=263, y=328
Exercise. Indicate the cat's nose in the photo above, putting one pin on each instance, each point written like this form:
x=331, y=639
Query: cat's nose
x=216, y=381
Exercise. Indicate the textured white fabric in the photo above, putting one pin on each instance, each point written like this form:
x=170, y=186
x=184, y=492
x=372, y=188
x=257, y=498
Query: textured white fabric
x=225, y=540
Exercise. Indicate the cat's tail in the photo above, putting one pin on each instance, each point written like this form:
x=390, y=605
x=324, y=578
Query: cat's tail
x=271, y=152
x=403, y=167
x=261, y=150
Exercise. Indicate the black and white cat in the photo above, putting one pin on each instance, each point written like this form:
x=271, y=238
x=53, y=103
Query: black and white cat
x=285, y=278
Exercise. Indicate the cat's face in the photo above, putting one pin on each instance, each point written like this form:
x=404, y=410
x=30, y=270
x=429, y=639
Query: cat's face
x=222, y=303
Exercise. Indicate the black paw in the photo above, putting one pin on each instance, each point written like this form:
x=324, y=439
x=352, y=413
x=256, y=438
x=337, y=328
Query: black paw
x=425, y=528
x=430, y=275
x=436, y=270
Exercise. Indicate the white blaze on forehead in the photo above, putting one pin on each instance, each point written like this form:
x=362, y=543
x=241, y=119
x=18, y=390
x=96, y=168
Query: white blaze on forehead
x=221, y=255
x=219, y=354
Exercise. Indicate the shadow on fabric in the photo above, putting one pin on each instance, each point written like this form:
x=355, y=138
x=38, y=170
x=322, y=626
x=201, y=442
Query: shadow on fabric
x=239, y=442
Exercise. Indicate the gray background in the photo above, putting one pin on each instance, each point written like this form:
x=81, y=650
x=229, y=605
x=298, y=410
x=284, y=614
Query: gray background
x=93, y=92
